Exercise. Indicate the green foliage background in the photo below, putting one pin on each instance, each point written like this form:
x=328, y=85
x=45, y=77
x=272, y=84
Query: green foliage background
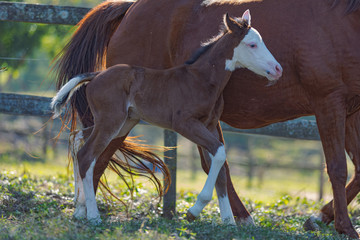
x=27, y=49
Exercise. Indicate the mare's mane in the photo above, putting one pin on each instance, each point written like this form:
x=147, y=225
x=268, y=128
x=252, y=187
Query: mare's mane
x=205, y=46
x=352, y=5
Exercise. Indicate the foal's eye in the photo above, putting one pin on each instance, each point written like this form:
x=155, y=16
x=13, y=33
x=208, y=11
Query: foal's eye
x=252, y=45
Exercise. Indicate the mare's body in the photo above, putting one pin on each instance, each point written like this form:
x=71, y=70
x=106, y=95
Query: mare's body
x=316, y=43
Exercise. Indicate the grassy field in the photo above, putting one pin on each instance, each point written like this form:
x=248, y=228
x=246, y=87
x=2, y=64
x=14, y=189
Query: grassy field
x=36, y=203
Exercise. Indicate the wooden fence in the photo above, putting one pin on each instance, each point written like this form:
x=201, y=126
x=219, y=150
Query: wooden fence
x=40, y=106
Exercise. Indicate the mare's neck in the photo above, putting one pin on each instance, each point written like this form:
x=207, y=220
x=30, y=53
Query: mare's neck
x=211, y=65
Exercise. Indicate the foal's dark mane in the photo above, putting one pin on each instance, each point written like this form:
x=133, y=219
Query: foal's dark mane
x=205, y=46
x=200, y=51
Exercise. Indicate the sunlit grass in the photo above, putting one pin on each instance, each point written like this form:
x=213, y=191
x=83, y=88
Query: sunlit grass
x=42, y=208
x=275, y=184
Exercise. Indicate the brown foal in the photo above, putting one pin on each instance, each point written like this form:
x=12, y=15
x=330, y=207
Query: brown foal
x=187, y=99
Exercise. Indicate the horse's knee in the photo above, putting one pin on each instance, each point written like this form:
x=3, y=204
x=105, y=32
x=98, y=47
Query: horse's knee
x=76, y=141
x=84, y=161
x=204, y=197
x=337, y=173
x=219, y=158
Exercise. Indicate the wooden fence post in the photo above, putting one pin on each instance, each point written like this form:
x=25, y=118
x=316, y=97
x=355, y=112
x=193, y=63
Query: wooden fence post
x=170, y=140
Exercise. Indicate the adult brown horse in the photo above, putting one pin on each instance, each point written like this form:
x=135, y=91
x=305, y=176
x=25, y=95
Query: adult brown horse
x=316, y=41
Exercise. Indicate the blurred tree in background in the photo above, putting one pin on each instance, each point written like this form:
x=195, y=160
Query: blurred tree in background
x=26, y=50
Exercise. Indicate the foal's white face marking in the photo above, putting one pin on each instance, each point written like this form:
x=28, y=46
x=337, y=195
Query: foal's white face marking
x=252, y=54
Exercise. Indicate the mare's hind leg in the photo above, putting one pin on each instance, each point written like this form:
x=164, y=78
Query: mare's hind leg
x=76, y=142
x=196, y=132
x=352, y=146
x=77, y=139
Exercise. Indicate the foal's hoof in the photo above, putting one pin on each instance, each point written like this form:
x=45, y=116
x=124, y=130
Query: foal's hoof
x=248, y=221
x=95, y=221
x=189, y=216
x=311, y=225
x=80, y=212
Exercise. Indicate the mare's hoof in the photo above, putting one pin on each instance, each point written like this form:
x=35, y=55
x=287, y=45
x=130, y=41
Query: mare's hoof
x=189, y=216
x=311, y=225
x=354, y=235
x=350, y=232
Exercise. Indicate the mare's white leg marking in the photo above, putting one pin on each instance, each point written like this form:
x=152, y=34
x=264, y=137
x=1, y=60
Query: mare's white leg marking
x=79, y=200
x=205, y=195
x=225, y=210
x=76, y=142
x=92, y=210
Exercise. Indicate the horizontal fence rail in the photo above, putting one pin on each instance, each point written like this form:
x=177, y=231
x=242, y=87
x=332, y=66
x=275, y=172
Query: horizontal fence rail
x=39, y=13
x=18, y=104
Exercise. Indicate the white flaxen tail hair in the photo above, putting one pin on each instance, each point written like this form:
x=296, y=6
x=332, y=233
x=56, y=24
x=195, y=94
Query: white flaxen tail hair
x=66, y=92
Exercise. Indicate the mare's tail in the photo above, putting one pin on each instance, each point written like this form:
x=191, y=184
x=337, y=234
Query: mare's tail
x=86, y=53
x=87, y=48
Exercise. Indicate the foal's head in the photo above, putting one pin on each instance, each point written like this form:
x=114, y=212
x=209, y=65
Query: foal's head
x=251, y=53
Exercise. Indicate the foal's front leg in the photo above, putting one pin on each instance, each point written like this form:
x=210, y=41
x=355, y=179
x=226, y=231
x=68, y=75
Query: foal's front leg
x=196, y=132
x=221, y=189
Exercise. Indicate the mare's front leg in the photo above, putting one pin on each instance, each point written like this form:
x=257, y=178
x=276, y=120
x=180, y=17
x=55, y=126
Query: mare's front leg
x=241, y=215
x=196, y=132
x=352, y=146
x=331, y=115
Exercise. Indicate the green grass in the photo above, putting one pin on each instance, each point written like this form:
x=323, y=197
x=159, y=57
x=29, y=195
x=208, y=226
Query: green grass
x=40, y=207
x=276, y=183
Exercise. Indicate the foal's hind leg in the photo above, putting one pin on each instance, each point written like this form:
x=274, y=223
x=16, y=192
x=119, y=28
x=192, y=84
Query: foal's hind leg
x=103, y=161
x=107, y=126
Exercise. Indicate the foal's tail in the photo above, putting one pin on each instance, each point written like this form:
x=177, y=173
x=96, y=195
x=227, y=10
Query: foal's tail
x=66, y=92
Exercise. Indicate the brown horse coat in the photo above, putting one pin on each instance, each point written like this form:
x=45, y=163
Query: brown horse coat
x=317, y=44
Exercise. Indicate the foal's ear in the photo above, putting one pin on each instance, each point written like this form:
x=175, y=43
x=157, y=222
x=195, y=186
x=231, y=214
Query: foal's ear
x=247, y=17
x=230, y=23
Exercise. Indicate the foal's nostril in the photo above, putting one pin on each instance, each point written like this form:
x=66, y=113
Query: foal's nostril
x=278, y=69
